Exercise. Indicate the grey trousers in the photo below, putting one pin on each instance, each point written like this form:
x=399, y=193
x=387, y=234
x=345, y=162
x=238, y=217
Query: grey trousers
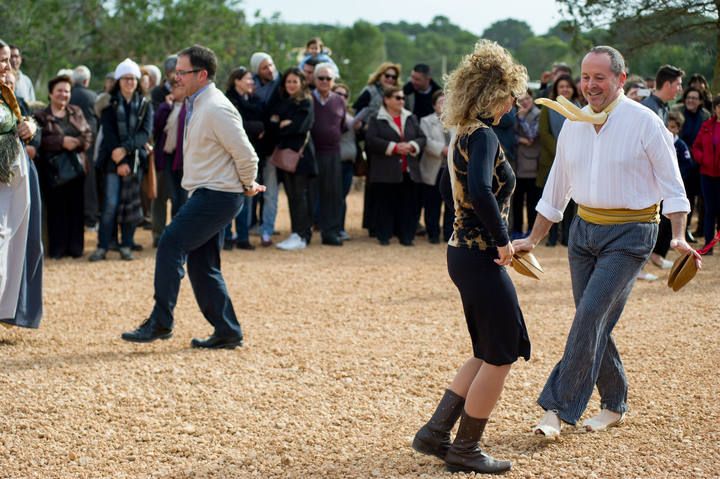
x=604, y=262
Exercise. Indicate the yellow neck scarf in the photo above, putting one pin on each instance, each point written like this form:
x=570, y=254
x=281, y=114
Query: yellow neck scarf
x=570, y=111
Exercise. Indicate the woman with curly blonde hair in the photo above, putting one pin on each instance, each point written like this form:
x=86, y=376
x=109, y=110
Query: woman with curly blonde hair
x=479, y=92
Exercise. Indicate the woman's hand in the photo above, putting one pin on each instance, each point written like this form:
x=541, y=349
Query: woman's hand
x=123, y=170
x=118, y=154
x=26, y=129
x=285, y=123
x=505, y=254
x=70, y=143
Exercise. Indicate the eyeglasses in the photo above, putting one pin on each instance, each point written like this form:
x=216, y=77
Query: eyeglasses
x=390, y=76
x=323, y=78
x=694, y=98
x=181, y=73
x=399, y=97
x=344, y=95
x=128, y=78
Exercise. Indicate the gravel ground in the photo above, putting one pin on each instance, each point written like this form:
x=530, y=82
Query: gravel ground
x=347, y=351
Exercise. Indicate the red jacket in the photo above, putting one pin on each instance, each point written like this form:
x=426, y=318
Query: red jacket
x=704, y=152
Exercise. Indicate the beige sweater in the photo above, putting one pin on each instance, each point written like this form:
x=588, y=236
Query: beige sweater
x=217, y=152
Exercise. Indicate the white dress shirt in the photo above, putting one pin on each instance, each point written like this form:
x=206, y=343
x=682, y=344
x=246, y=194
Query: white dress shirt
x=630, y=163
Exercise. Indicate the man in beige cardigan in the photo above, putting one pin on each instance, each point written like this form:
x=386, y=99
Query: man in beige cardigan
x=220, y=166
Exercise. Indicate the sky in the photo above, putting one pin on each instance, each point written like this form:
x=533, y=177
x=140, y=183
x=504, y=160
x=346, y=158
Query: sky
x=472, y=15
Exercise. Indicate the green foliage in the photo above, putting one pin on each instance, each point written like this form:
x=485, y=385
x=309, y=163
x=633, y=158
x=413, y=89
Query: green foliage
x=538, y=53
x=509, y=33
x=685, y=33
x=58, y=34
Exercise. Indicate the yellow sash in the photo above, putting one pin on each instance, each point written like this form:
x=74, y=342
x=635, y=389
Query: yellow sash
x=570, y=111
x=618, y=216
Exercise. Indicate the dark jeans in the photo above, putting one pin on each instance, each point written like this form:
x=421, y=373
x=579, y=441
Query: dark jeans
x=194, y=236
x=297, y=188
x=330, y=197
x=168, y=188
x=711, y=196
x=662, y=245
x=108, y=215
x=432, y=204
x=527, y=195
x=65, y=219
x=347, y=177
x=91, y=203
x=396, y=206
x=242, y=223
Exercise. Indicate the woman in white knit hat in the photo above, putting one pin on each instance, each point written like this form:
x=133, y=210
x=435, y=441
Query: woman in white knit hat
x=126, y=125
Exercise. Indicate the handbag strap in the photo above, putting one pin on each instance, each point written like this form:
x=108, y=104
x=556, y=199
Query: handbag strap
x=307, y=140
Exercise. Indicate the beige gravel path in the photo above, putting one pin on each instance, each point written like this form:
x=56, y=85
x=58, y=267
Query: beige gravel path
x=347, y=351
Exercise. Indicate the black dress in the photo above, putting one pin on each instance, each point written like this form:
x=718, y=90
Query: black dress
x=482, y=183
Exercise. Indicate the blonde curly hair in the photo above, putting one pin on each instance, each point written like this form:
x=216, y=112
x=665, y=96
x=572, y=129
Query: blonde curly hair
x=482, y=84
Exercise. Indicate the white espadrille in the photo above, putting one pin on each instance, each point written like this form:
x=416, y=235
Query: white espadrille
x=549, y=425
x=604, y=420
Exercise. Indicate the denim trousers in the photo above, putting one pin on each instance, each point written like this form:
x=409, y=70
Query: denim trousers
x=195, y=236
x=604, y=262
x=168, y=189
x=108, y=215
x=242, y=222
x=270, y=198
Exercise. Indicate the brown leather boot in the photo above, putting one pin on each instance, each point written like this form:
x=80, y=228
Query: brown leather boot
x=465, y=454
x=433, y=438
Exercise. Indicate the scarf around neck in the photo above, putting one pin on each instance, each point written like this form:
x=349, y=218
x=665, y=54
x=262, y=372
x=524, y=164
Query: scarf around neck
x=572, y=112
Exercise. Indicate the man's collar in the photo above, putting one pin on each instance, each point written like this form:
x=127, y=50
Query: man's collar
x=193, y=97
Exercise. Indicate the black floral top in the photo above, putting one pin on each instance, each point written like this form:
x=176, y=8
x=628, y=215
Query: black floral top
x=482, y=183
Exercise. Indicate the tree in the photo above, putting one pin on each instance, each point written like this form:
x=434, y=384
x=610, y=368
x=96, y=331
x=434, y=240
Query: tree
x=649, y=23
x=509, y=33
x=539, y=53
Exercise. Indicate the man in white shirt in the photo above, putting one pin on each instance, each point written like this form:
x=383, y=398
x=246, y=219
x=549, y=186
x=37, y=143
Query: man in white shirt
x=220, y=165
x=24, y=86
x=617, y=169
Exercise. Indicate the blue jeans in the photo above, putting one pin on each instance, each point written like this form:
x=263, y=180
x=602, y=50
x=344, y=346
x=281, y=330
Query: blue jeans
x=270, y=199
x=604, y=262
x=242, y=222
x=194, y=236
x=108, y=215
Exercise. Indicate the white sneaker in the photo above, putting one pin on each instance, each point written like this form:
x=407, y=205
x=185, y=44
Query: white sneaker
x=604, y=420
x=661, y=262
x=293, y=242
x=549, y=425
x=644, y=276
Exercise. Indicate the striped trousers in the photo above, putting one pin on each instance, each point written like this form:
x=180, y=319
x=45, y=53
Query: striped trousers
x=604, y=262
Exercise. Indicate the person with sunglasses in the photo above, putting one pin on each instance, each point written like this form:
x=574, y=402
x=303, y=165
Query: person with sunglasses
x=394, y=142
x=366, y=107
x=371, y=97
x=327, y=129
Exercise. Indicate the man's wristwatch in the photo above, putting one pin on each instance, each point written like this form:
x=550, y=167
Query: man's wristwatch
x=247, y=187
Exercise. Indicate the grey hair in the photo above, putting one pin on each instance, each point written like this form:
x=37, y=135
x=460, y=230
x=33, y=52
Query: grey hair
x=170, y=63
x=2, y=43
x=617, y=62
x=328, y=67
x=81, y=74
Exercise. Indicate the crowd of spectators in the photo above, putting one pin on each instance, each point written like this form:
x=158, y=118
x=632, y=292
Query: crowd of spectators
x=129, y=140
